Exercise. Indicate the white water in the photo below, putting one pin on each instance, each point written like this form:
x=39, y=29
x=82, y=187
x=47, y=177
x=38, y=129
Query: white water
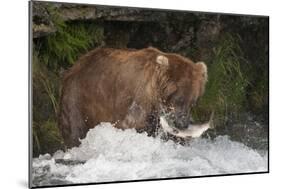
x=111, y=154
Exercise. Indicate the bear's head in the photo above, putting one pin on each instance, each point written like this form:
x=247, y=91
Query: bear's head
x=180, y=83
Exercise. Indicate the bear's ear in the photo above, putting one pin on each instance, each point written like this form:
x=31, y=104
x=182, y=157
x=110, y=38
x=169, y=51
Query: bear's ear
x=162, y=60
x=203, y=69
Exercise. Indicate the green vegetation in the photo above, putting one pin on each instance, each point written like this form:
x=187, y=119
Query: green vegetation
x=225, y=92
x=46, y=137
x=51, y=55
x=64, y=46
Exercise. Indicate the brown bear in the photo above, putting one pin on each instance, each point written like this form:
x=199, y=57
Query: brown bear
x=131, y=88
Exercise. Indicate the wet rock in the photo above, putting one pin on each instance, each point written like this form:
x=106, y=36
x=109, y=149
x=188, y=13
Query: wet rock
x=42, y=23
x=207, y=35
x=42, y=30
x=43, y=12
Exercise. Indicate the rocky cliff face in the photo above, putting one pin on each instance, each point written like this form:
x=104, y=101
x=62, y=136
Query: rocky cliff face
x=72, y=12
x=169, y=30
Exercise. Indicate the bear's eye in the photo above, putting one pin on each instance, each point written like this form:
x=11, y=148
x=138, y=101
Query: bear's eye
x=170, y=91
x=170, y=96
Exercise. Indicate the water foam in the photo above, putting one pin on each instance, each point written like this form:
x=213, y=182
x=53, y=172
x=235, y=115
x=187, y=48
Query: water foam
x=110, y=154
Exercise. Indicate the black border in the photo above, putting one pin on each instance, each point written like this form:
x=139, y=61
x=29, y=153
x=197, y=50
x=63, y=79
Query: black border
x=30, y=40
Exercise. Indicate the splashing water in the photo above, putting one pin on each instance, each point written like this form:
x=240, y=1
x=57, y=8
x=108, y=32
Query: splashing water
x=110, y=154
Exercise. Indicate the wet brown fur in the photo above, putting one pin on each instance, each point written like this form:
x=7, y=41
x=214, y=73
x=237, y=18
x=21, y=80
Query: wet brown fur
x=125, y=87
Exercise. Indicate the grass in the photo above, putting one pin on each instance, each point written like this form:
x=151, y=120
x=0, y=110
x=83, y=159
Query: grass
x=225, y=92
x=46, y=137
x=51, y=54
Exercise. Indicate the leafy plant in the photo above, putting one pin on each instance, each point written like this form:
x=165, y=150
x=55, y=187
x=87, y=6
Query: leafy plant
x=62, y=48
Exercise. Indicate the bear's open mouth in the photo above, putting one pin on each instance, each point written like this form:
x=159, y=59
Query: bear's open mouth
x=193, y=130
